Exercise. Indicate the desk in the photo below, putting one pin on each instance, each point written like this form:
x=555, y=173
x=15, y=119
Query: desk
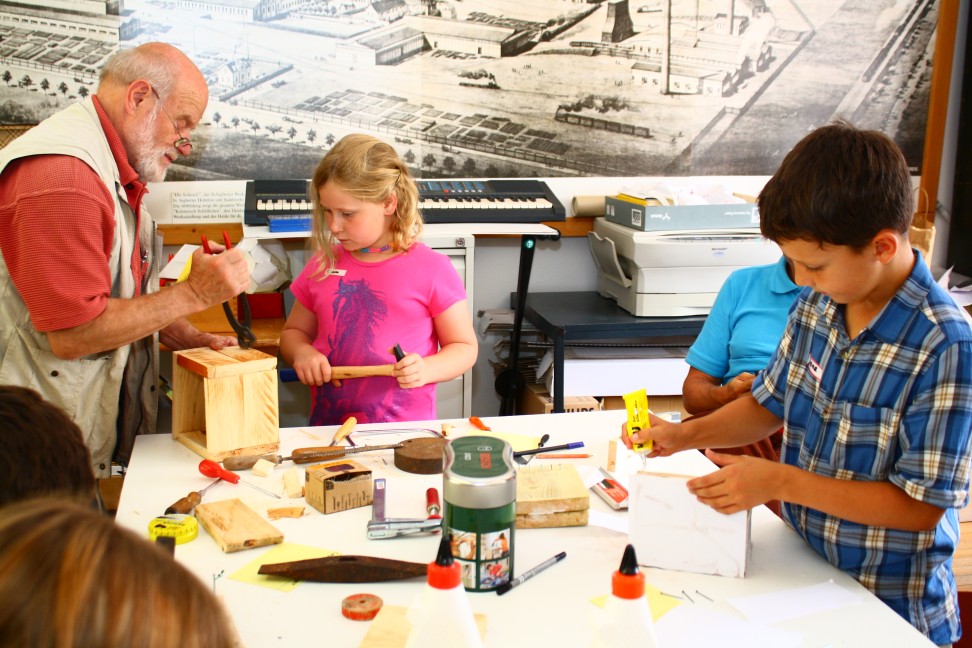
x=552, y=609
x=577, y=316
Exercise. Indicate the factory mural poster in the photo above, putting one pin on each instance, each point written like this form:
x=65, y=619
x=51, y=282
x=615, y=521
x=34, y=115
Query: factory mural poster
x=499, y=88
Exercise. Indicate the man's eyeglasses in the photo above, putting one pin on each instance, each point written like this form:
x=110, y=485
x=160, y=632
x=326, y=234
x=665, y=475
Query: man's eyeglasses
x=183, y=141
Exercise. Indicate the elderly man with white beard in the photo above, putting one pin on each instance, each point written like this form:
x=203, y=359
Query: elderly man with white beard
x=81, y=313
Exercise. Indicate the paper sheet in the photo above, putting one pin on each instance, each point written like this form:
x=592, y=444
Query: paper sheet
x=285, y=552
x=178, y=268
x=659, y=604
x=774, y=607
x=691, y=626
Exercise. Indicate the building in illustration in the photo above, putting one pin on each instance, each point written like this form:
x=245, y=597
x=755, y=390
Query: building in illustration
x=387, y=45
x=471, y=37
x=241, y=10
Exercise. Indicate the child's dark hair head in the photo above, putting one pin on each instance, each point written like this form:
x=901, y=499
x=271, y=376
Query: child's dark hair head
x=43, y=451
x=839, y=185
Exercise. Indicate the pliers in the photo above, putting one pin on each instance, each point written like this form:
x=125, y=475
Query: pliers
x=244, y=334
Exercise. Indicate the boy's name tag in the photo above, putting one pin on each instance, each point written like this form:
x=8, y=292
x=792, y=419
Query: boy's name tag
x=814, y=369
x=337, y=272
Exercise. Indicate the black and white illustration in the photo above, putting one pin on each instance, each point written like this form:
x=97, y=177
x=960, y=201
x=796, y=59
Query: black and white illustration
x=499, y=88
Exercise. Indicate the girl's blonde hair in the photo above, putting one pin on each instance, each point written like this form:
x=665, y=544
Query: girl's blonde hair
x=370, y=170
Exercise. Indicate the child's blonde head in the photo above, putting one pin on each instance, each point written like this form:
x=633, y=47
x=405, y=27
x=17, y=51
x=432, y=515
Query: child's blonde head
x=370, y=170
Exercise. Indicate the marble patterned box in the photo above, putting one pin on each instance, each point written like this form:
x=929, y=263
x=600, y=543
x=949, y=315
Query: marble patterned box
x=671, y=529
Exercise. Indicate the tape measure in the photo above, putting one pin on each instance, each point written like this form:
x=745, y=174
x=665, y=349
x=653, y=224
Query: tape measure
x=184, y=528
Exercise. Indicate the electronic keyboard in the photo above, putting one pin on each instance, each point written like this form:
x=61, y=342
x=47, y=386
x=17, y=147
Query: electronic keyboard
x=284, y=205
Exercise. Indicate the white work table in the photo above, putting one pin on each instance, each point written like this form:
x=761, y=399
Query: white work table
x=553, y=609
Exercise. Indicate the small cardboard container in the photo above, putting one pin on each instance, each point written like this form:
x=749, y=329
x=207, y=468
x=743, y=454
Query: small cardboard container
x=657, y=404
x=535, y=399
x=338, y=486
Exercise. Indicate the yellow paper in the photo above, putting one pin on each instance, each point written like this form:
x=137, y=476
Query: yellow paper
x=658, y=603
x=519, y=442
x=285, y=552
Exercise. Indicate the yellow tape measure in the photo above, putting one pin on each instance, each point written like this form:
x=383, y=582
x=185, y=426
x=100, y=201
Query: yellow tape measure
x=637, y=405
x=183, y=528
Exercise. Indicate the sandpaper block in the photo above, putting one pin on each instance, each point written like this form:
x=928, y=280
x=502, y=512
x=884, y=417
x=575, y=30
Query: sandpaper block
x=235, y=526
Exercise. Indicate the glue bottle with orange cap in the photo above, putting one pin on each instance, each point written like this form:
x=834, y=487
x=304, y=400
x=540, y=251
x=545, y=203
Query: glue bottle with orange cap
x=625, y=621
x=442, y=616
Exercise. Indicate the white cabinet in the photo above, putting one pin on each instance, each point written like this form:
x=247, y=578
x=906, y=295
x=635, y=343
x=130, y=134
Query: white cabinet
x=454, y=398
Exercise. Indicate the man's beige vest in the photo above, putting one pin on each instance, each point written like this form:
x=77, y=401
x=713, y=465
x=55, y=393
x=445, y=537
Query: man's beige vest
x=111, y=395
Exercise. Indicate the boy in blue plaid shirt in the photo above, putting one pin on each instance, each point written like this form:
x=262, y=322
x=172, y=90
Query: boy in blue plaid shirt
x=872, y=382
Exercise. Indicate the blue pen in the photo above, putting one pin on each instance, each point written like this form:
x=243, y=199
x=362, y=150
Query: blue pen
x=565, y=446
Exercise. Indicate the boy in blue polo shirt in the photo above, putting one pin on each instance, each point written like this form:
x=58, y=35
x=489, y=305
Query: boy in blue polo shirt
x=872, y=382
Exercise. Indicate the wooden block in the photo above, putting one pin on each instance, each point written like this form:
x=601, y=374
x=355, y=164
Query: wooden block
x=293, y=484
x=391, y=627
x=551, y=520
x=235, y=526
x=612, y=461
x=550, y=496
x=286, y=511
x=263, y=468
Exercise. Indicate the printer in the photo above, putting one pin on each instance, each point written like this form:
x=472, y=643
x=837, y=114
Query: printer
x=674, y=273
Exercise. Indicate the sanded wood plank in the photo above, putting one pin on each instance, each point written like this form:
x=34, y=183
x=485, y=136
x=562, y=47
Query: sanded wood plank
x=235, y=526
x=550, y=489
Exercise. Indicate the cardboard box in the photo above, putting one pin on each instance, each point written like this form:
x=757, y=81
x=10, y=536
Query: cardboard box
x=338, y=486
x=535, y=399
x=638, y=214
x=657, y=404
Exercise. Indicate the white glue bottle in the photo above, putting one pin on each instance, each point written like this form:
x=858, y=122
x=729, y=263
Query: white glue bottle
x=442, y=616
x=625, y=621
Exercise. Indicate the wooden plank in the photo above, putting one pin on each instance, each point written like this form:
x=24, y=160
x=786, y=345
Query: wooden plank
x=543, y=491
x=552, y=520
x=948, y=11
x=231, y=361
x=235, y=526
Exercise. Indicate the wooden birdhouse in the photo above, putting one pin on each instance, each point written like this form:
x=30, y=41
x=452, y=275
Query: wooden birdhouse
x=224, y=403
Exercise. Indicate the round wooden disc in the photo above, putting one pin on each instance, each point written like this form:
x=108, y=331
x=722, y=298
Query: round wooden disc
x=423, y=456
x=361, y=607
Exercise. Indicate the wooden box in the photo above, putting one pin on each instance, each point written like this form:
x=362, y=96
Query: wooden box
x=224, y=403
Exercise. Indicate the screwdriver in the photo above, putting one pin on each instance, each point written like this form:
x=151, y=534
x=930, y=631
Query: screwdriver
x=303, y=455
x=189, y=502
x=210, y=468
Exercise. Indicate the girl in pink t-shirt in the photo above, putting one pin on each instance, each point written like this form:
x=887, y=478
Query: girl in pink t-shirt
x=369, y=286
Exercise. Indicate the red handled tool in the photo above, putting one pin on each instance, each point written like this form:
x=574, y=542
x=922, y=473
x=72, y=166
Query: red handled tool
x=212, y=469
x=244, y=334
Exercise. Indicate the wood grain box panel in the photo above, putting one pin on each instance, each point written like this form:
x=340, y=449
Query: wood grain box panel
x=225, y=402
